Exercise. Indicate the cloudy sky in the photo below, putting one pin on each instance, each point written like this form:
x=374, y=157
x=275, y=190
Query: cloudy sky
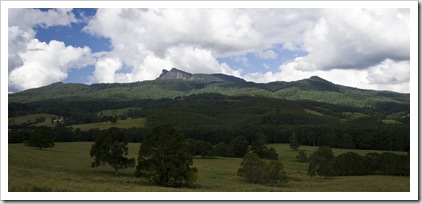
x=364, y=48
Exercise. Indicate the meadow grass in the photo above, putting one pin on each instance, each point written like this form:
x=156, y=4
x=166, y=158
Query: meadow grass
x=32, y=117
x=128, y=123
x=117, y=112
x=67, y=167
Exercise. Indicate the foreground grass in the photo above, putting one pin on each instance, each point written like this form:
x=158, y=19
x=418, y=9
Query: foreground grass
x=66, y=167
x=128, y=123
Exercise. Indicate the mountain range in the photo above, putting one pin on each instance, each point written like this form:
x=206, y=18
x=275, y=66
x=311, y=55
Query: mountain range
x=177, y=83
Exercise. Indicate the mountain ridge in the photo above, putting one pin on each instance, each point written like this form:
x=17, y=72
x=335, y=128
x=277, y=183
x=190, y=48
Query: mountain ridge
x=176, y=83
x=175, y=73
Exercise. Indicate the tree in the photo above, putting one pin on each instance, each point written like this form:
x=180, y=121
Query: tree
x=274, y=173
x=351, y=164
x=256, y=170
x=239, y=146
x=294, y=142
x=200, y=147
x=258, y=147
x=111, y=148
x=42, y=137
x=321, y=162
x=164, y=158
x=252, y=168
x=271, y=154
x=222, y=149
x=301, y=157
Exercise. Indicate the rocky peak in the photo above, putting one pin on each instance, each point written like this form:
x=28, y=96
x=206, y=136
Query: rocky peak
x=175, y=74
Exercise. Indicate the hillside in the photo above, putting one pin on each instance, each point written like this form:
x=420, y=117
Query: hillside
x=176, y=83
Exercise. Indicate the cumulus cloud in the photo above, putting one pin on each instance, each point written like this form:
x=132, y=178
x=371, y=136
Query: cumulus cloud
x=32, y=63
x=46, y=63
x=365, y=48
x=356, y=39
x=291, y=46
x=27, y=18
x=149, y=40
x=362, y=43
x=105, y=70
x=268, y=54
x=388, y=75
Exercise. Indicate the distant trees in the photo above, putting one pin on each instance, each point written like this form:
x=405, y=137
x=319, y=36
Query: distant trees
x=258, y=147
x=111, y=148
x=164, y=158
x=256, y=170
x=200, y=147
x=252, y=168
x=294, y=141
x=301, y=157
x=42, y=137
x=323, y=163
x=239, y=146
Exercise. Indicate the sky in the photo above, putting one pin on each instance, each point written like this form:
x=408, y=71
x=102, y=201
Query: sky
x=359, y=47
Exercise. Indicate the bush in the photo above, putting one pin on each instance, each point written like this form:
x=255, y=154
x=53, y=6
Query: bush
x=301, y=157
x=351, y=164
x=256, y=170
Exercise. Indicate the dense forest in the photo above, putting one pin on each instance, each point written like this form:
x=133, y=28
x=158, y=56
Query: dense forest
x=217, y=118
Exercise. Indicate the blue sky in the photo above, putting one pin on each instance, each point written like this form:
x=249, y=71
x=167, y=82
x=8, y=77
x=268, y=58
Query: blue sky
x=261, y=45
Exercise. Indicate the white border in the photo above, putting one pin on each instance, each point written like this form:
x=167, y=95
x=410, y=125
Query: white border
x=414, y=141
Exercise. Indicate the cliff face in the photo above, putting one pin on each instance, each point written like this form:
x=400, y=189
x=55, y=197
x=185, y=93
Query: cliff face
x=181, y=75
x=174, y=74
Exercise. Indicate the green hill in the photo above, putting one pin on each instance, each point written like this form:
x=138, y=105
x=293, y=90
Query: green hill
x=314, y=89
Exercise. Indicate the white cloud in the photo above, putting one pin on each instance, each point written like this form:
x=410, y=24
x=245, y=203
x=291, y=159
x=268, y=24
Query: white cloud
x=32, y=63
x=27, y=18
x=354, y=42
x=268, y=54
x=388, y=75
x=365, y=48
x=389, y=72
x=105, y=70
x=356, y=39
x=149, y=40
x=46, y=63
x=291, y=46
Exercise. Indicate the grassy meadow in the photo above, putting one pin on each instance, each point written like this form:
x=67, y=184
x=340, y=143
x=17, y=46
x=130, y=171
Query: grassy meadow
x=128, y=123
x=67, y=167
x=32, y=117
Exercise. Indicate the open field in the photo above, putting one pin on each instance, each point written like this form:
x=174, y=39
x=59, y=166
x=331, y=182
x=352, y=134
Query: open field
x=118, y=112
x=32, y=117
x=128, y=123
x=66, y=167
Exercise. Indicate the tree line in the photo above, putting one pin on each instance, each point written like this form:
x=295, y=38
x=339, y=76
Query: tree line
x=322, y=162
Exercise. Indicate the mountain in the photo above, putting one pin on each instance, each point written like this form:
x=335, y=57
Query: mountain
x=177, y=83
x=181, y=75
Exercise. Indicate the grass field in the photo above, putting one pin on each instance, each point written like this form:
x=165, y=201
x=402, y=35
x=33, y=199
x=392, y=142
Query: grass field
x=32, y=117
x=128, y=123
x=66, y=167
x=118, y=112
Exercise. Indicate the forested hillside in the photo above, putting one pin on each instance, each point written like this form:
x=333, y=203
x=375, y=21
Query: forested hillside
x=314, y=88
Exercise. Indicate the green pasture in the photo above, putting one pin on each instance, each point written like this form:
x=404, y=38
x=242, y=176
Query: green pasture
x=31, y=118
x=117, y=112
x=67, y=167
x=128, y=123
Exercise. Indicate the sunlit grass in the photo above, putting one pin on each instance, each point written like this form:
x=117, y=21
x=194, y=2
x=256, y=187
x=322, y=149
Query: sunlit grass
x=128, y=123
x=67, y=167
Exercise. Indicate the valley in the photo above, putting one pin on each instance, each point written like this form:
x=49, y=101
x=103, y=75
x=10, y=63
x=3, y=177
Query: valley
x=216, y=114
